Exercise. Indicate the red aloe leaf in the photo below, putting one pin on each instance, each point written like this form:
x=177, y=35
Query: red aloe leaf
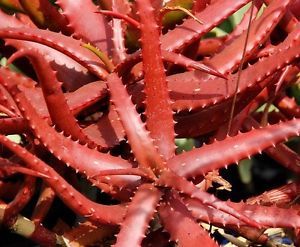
x=295, y=8
x=7, y=101
x=244, y=23
x=87, y=234
x=45, y=15
x=199, y=93
x=89, y=164
x=288, y=106
x=281, y=153
x=57, y=105
x=8, y=168
x=64, y=44
x=166, y=55
x=127, y=171
x=139, y=138
x=77, y=100
x=209, y=46
x=159, y=123
x=108, y=131
x=232, y=149
x=71, y=197
x=85, y=96
x=171, y=180
x=179, y=59
x=139, y=213
x=199, y=6
x=119, y=51
x=70, y=72
x=289, y=21
x=231, y=56
x=10, y=20
x=10, y=126
x=6, y=111
x=285, y=156
x=266, y=216
x=96, y=30
x=239, y=119
x=25, y=20
x=190, y=233
x=58, y=108
x=171, y=57
x=20, y=201
x=121, y=16
x=287, y=53
x=191, y=30
x=189, y=125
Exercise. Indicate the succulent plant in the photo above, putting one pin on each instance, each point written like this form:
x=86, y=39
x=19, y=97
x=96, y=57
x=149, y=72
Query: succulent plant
x=99, y=94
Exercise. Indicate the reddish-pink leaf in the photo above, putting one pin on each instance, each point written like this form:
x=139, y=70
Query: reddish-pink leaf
x=160, y=121
x=140, y=211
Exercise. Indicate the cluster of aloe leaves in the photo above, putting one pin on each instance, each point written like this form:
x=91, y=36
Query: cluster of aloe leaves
x=100, y=91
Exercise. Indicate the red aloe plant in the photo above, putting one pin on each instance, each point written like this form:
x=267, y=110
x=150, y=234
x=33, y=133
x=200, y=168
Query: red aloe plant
x=87, y=110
